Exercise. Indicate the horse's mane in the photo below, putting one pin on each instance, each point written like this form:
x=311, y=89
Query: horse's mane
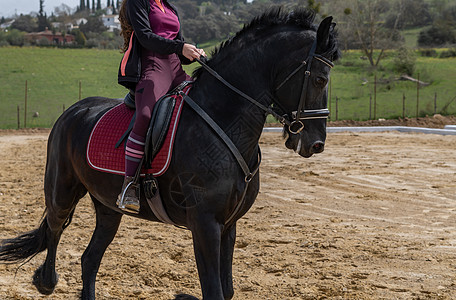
x=300, y=18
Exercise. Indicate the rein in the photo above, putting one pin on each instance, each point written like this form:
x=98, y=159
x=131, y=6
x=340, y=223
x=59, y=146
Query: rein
x=267, y=109
x=301, y=113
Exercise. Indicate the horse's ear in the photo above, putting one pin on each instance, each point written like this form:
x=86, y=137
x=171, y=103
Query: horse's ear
x=323, y=34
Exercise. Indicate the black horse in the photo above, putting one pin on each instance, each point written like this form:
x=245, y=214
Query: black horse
x=283, y=60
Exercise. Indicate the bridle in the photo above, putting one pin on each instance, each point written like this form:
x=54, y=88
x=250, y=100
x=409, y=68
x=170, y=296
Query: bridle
x=296, y=124
x=297, y=117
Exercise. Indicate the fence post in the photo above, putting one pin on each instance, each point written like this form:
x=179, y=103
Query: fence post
x=330, y=97
x=435, y=103
x=417, y=95
x=25, y=106
x=337, y=108
x=370, y=106
x=403, y=105
x=80, y=90
x=18, y=117
x=375, y=97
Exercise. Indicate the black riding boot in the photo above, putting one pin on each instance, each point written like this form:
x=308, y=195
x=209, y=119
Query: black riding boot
x=127, y=199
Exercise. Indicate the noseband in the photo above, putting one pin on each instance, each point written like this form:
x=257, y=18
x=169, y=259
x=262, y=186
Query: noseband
x=296, y=124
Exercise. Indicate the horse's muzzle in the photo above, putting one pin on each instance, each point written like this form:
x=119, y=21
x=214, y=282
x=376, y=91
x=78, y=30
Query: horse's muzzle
x=317, y=147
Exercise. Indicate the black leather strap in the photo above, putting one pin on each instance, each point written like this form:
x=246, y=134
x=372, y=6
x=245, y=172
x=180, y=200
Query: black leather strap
x=245, y=168
x=242, y=94
x=127, y=132
x=303, y=98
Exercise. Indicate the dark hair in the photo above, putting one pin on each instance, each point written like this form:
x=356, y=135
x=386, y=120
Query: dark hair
x=126, y=28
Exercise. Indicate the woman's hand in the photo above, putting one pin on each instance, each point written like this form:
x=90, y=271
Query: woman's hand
x=191, y=52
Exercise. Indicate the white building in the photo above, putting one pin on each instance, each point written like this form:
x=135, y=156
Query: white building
x=7, y=24
x=78, y=22
x=111, y=21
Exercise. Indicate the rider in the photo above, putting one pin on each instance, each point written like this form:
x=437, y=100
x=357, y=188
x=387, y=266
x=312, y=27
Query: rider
x=154, y=51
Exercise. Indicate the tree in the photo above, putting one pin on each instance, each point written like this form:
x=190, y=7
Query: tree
x=414, y=13
x=365, y=19
x=404, y=62
x=80, y=38
x=98, y=4
x=188, y=9
x=63, y=33
x=41, y=7
x=437, y=35
x=314, y=6
x=63, y=10
x=25, y=23
x=442, y=32
x=245, y=12
x=213, y=25
x=94, y=24
x=43, y=22
x=15, y=38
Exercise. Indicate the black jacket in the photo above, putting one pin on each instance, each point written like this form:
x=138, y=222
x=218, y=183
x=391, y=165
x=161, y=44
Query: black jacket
x=143, y=37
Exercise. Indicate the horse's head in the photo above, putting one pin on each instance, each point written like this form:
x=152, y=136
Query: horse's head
x=301, y=86
x=289, y=57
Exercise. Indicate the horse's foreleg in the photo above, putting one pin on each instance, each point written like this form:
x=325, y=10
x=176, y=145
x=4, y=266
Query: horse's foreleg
x=106, y=228
x=206, y=244
x=226, y=261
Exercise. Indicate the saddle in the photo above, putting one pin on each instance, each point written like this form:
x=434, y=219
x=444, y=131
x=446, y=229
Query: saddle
x=159, y=123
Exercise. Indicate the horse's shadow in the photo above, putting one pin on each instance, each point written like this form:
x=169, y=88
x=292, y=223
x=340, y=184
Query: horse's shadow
x=184, y=297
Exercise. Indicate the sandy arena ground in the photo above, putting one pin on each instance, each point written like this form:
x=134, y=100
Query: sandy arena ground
x=372, y=217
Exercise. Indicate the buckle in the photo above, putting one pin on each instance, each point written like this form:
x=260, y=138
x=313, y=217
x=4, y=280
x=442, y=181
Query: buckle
x=296, y=126
x=150, y=186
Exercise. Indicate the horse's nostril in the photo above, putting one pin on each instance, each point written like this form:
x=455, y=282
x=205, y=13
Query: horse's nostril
x=318, y=147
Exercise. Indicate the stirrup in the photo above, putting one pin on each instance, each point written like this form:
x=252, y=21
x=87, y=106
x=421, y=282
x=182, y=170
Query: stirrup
x=131, y=205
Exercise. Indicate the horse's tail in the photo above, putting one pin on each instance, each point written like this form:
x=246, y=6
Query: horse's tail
x=27, y=245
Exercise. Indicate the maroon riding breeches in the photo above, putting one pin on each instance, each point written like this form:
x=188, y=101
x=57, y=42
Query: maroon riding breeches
x=159, y=74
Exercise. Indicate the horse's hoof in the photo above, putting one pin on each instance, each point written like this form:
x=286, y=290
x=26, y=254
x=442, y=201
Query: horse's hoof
x=43, y=288
x=185, y=297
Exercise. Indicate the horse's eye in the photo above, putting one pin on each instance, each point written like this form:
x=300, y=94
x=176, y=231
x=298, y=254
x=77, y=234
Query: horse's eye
x=321, y=82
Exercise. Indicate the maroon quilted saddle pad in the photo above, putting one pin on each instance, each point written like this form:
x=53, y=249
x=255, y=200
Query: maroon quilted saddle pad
x=102, y=154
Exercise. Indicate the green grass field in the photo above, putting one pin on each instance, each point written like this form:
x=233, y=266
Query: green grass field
x=53, y=77
x=352, y=81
